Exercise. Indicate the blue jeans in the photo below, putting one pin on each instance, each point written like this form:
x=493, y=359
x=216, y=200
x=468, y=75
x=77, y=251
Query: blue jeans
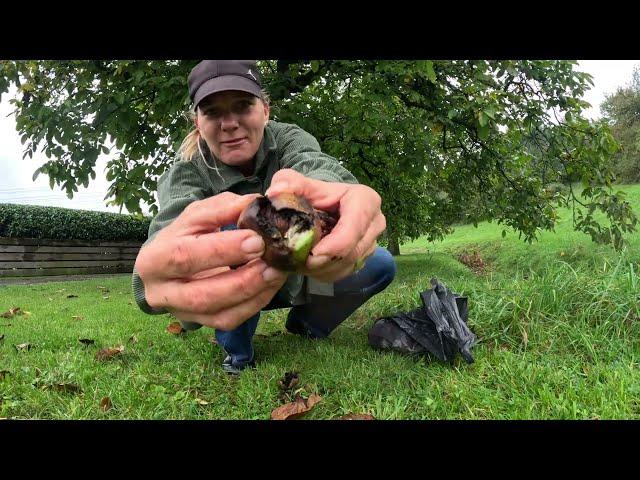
x=322, y=314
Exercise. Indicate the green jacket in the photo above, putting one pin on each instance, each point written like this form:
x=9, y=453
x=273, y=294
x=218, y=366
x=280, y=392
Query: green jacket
x=283, y=146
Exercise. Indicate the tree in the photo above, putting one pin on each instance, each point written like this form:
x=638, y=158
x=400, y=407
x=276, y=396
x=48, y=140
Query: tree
x=622, y=110
x=433, y=137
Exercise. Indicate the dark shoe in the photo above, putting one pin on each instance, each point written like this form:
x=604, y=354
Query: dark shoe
x=297, y=328
x=228, y=367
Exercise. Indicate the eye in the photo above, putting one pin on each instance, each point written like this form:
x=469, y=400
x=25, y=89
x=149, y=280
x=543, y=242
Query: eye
x=243, y=106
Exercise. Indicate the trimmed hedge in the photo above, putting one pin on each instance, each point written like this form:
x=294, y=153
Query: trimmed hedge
x=55, y=223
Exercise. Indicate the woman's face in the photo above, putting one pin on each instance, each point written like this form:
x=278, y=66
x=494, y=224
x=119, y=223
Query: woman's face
x=232, y=123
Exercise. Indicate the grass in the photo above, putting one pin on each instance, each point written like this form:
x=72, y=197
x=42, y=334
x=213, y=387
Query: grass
x=558, y=323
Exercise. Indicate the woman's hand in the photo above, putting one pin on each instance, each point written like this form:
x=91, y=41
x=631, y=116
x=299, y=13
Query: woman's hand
x=186, y=268
x=353, y=239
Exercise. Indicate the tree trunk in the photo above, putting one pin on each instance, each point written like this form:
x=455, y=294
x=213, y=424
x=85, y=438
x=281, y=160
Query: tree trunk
x=394, y=246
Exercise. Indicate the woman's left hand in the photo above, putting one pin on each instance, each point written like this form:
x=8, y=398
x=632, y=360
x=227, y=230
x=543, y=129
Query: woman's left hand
x=353, y=239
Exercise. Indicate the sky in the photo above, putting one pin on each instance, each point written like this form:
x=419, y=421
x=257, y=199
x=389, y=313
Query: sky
x=16, y=185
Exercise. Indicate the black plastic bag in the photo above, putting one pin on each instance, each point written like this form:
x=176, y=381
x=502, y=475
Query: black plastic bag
x=438, y=327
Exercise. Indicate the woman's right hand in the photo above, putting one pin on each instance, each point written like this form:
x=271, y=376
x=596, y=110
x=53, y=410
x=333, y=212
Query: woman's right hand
x=186, y=270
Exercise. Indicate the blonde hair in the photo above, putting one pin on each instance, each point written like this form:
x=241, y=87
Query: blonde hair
x=191, y=143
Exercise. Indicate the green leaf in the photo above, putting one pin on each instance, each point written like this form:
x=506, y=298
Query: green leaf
x=483, y=132
x=315, y=65
x=430, y=72
x=482, y=119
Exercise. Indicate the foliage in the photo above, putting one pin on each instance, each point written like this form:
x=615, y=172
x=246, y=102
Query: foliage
x=435, y=138
x=30, y=221
x=622, y=109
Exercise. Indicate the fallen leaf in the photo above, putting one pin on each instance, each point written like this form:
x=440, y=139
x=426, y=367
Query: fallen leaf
x=110, y=352
x=289, y=381
x=77, y=317
x=357, y=416
x=295, y=409
x=11, y=312
x=26, y=314
x=201, y=402
x=106, y=297
x=72, y=296
x=86, y=341
x=64, y=387
x=3, y=373
x=23, y=346
x=105, y=404
x=133, y=339
x=175, y=328
x=212, y=340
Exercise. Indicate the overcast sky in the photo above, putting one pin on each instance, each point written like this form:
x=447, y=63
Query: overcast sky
x=16, y=185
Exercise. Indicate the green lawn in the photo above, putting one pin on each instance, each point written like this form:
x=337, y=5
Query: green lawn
x=558, y=323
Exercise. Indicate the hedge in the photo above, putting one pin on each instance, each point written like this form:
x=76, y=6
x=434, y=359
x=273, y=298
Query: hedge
x=55, y=223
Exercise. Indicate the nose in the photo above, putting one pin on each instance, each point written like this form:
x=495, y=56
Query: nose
x=229, y=121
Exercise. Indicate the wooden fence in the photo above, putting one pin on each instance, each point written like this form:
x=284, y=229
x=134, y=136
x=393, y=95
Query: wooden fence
x=27, y=257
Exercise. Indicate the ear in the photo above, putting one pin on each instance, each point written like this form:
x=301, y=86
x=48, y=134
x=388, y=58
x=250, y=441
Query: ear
x=195, y=119
x=265, y=106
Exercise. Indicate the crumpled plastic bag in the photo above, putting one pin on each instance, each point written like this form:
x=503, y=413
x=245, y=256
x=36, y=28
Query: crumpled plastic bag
x=438, y=327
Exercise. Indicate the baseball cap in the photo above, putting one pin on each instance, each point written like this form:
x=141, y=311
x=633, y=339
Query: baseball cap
x=212, y=76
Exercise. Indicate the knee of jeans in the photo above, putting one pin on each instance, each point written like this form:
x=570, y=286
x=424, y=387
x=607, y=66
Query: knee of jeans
x=385, y=271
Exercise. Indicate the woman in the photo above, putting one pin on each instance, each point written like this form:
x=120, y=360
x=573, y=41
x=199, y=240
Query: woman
x=188, y=264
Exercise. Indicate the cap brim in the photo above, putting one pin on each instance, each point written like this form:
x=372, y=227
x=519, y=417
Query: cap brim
x=227, y=82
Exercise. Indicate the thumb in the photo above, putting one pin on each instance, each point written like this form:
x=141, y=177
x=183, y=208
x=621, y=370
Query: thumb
x=322, y=195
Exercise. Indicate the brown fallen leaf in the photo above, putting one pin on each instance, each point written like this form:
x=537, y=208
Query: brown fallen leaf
x=201, y=402
x=105, y=404
x=11, y=312
x=77, y=317
x=295, y=409
x=212, y=340
x=175, y=328
x=86, y=341
x=4, y=373
x=133, y=339
x=23, y=346
x=64, y=387
x=289, y=381
x=110, y=352
x=357, y=416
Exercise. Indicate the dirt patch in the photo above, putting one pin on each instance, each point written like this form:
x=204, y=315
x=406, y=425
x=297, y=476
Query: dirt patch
x=473, y=260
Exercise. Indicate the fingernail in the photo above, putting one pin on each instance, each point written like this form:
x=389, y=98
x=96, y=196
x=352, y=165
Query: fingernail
x=253, y=244
x=316, y=261
x=271, y=274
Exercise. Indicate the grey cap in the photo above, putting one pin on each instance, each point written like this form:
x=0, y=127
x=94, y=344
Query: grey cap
x=212, y=76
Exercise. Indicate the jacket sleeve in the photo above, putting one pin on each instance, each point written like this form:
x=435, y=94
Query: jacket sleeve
x=300, y=151
x=177, y=188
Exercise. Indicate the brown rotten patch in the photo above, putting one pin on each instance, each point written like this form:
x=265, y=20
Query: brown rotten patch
x=108, y=353
x=295, y=409
x=175, y=328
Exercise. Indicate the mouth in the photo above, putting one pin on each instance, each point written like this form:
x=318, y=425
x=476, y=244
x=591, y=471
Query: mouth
x=235, y=142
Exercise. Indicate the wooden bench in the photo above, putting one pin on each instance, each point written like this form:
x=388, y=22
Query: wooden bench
x=28, y=257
